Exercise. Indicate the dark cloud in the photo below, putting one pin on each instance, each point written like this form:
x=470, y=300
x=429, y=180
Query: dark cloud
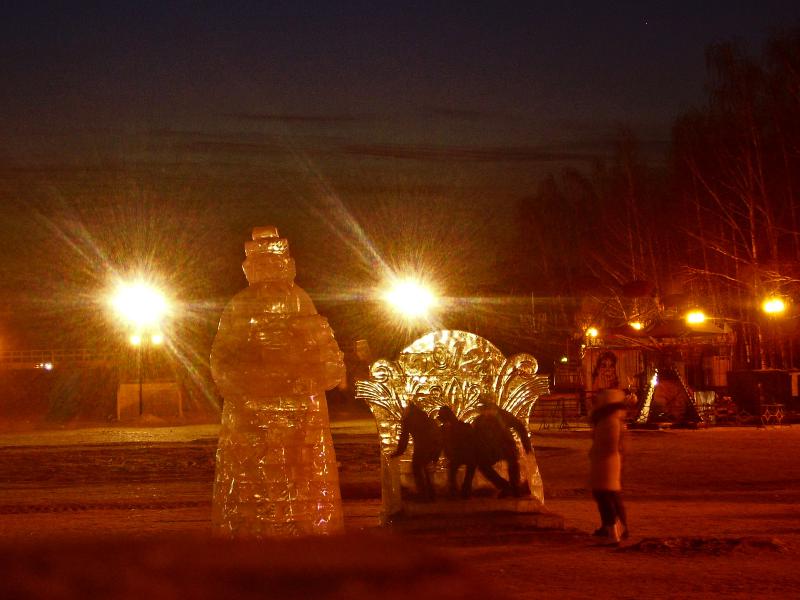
x=296, y=118
x=231, y=147
x=467, y=153
x=243, y=143
x=603, y=145
x=78, y=168
x=351, y=187
x=185, y=133
x=460, y=114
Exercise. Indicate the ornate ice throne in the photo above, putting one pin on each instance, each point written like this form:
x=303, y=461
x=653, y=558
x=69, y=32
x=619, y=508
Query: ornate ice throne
x=451, y=368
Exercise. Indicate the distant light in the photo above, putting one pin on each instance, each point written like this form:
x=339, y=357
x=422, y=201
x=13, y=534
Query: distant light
x=48, y=366
x=592, y=332
x=157, y=339
x=410, y=298
x=140, y=304
x=135, y=339
x=654, y=380
x=637, y=325
x=695, y=317
x=773, y=306
x=564, y=359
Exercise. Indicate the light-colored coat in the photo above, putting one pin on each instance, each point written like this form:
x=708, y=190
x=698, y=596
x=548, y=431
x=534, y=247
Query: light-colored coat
x=605, y=456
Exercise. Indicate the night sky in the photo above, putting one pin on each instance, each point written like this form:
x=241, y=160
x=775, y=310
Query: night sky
x=158, y=133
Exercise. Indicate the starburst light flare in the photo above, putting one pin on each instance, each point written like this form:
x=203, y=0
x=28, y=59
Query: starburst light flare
x=410, y=298
x=140, y=304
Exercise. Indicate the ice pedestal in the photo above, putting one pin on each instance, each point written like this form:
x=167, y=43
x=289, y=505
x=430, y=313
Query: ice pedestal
x=272, y=359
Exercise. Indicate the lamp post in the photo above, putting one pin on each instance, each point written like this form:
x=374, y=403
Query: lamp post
x=773, y=307
x=141, y=307
x=136, y=342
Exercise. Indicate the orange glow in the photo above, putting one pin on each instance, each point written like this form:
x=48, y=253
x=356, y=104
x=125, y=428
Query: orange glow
x=410, y=298
x=592, y=332
x=773, y=306
x=696, y=317
x=140, y=304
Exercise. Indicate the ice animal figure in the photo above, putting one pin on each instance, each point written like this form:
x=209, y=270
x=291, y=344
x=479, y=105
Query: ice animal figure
x=273, y=358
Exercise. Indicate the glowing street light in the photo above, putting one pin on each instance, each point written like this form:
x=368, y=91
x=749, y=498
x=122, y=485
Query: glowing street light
x=410, y=298
x=696, y=317
x=142, y=308
x=773, y=306
x=139, y=304
x=592, y=332
x=637, y=325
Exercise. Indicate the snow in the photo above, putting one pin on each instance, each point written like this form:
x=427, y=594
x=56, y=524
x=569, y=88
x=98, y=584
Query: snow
x=713, y=513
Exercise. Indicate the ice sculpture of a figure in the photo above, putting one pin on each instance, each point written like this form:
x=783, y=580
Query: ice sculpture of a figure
x=272, y=359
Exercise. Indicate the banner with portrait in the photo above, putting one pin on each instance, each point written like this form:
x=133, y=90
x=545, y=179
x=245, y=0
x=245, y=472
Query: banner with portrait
x=613, y=368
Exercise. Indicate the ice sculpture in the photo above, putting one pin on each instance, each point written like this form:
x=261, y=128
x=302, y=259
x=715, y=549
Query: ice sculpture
x=273, y=358
x=451, y=368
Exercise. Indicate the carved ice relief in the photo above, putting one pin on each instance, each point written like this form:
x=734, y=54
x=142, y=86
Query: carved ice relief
x=447, y=368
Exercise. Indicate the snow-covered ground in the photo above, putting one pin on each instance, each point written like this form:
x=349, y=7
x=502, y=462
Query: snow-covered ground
x=713, y=513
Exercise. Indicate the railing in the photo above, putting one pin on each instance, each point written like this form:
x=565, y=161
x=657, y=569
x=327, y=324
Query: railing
x=567, y=377
x=558, y=412
x=40, y=359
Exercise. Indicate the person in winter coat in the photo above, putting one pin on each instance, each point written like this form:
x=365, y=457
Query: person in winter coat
x=605, y=458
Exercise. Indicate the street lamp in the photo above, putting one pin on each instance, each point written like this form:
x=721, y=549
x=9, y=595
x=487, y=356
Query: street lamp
x=410, y=298
x=773, y=305
x=142, y=308
x=696, y=317
x=140, y=304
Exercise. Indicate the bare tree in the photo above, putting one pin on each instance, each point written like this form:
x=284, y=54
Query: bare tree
x=736, y=165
